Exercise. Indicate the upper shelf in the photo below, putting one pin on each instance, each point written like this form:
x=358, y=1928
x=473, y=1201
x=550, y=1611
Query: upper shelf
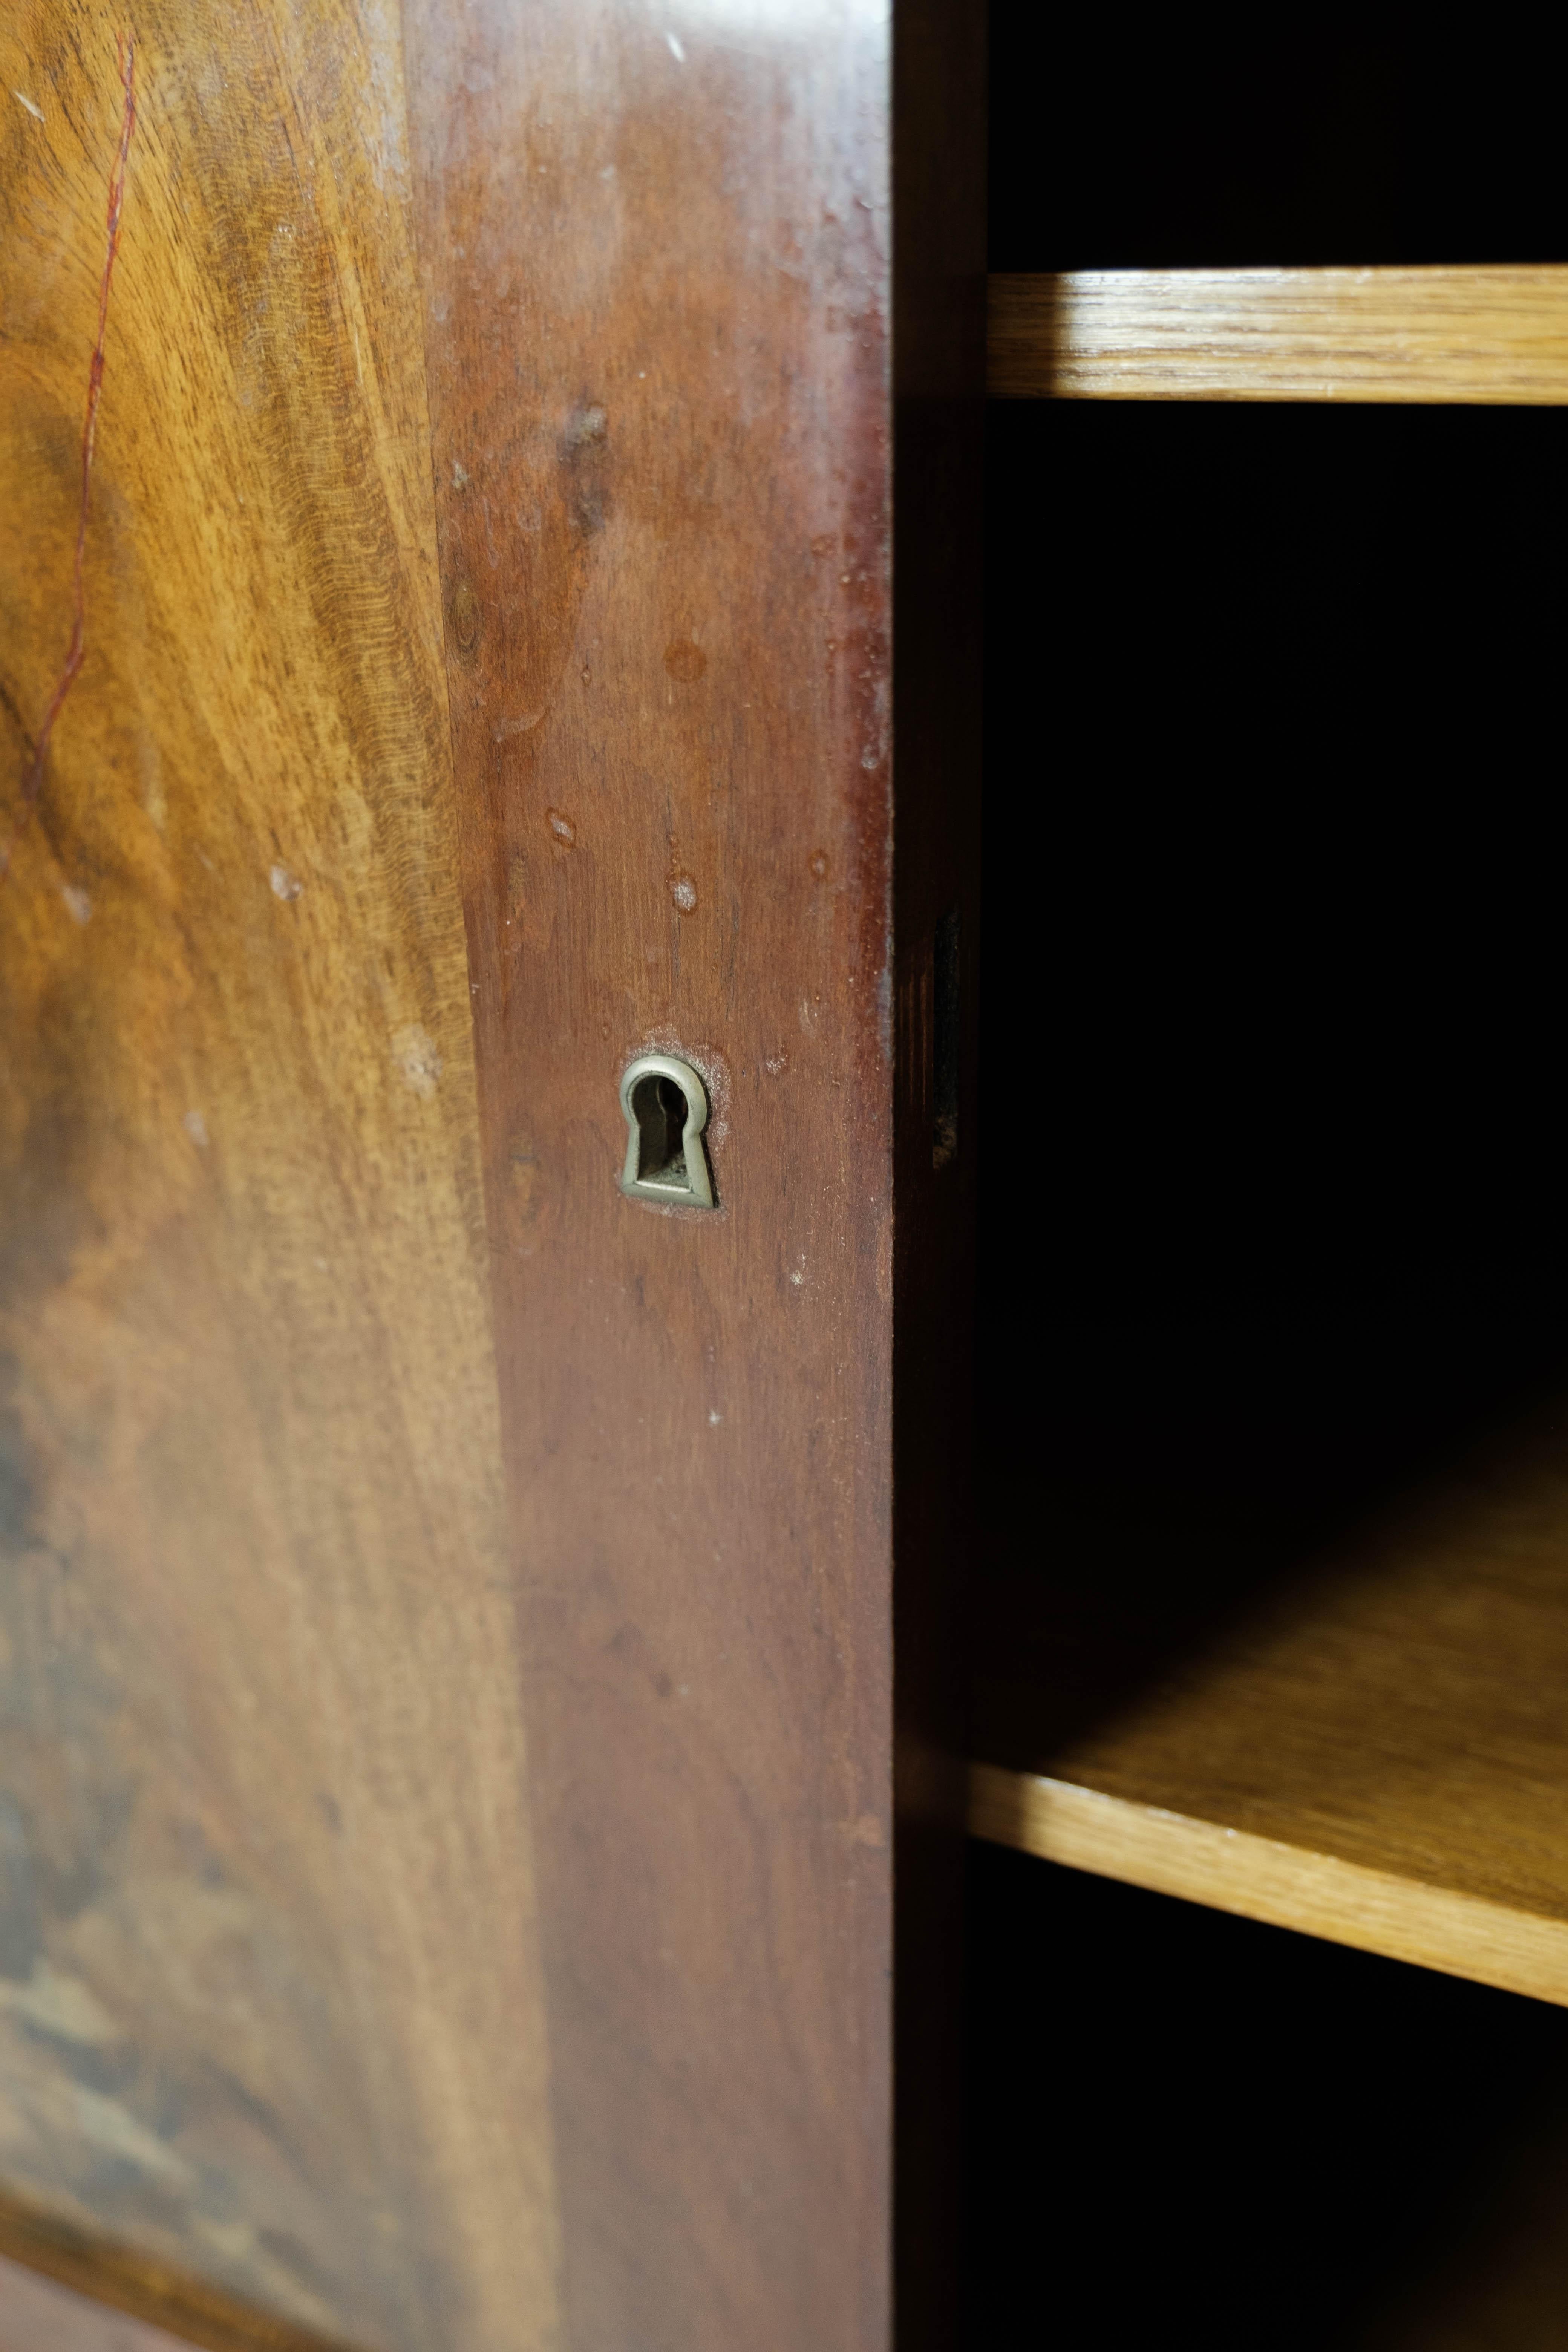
x=1492, y=335
x=1377, y=1754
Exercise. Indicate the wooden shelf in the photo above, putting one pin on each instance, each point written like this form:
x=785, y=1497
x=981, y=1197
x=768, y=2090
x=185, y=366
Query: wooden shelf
x=1492, y=335
x=1374, y=1752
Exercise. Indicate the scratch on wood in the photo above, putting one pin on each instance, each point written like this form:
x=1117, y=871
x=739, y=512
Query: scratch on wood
x=35, y=777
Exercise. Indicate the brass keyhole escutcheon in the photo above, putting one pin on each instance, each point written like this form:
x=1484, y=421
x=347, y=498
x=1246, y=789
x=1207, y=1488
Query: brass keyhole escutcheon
x=665, y=1104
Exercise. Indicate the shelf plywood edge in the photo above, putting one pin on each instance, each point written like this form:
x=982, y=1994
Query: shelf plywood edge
x=1259, y=1879
x=1462, y=335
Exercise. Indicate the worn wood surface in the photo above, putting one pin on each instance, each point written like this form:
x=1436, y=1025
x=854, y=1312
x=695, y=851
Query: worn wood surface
x=38, y=2315
x=71, y=2291
x=657, y=288
x=1377, y=1753
x=1497, y=335
x=269, y=2006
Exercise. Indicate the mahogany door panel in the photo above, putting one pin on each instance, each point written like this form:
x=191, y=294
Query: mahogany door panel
x=269, y=1999
x=447, y=1630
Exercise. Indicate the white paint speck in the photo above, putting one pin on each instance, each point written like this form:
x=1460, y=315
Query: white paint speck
x=714, y=1419
x=798, y=1278
x=78, y=902
x=36, y=112
x=417, y=1057
x=285, y=885
x=195, y=1127
x=683, y=890
x=675, y=51
x=460, y=476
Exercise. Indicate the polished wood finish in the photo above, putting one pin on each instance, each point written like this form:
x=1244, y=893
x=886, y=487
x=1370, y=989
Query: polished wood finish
x=655, y=256
x=1377, y=1754
x=270, y=2003
x=1472, y=334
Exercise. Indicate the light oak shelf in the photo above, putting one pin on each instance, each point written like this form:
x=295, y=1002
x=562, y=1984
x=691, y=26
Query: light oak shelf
x=1496, y=335
x=1376, y=1754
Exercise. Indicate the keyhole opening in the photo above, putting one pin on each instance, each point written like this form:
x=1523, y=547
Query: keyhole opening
x=665, y=1104
x=661, y=1111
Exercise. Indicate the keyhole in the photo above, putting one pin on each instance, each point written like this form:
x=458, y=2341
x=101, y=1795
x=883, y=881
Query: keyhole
x=659, y=1109
x=666, y=1107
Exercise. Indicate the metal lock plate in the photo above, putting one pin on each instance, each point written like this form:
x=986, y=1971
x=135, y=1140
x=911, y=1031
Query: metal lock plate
x=665, y=1104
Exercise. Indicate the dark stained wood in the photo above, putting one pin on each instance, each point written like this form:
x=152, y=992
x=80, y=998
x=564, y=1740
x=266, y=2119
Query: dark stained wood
x=269, y=2006
x=656, y=258
x=940, y=391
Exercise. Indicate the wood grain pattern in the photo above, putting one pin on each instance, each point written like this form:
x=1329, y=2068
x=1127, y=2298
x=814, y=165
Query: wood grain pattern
x=1376, y=1754
x=657, y=288
x=1468, y=334
x=62, y=2291
x=1260, y=1878
x=37, y=2316
x=269, y=2005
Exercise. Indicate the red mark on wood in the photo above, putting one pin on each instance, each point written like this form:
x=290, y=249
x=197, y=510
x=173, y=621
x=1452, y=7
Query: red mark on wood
x=35, y=777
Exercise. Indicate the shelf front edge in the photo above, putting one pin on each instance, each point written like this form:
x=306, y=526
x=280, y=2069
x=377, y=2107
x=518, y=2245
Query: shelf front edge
x=1283, y=1885
x=1466, y=335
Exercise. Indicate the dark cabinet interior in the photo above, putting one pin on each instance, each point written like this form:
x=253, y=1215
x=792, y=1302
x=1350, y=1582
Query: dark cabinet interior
x=1271, y=1162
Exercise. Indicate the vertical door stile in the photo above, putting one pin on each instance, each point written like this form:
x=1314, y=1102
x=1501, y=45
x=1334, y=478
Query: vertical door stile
x=656, y=261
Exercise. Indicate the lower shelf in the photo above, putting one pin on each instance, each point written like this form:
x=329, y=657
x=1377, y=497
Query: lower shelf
x=1373, y=1751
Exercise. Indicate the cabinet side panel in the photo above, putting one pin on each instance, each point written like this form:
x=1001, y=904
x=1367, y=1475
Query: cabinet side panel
x=655, y=250
x=940, y=358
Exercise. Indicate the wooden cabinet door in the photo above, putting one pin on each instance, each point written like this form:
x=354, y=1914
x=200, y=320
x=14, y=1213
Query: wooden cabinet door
x=447, y=1628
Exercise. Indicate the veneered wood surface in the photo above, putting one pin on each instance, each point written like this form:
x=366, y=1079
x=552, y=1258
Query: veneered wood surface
x=1378, y=1754
x=269, y=2006
x=1461, y=334
x=654, y=251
